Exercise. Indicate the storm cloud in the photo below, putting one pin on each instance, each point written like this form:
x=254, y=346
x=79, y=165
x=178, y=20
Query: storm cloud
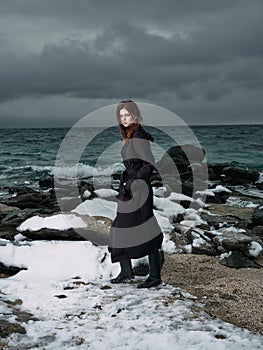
x=61, y=59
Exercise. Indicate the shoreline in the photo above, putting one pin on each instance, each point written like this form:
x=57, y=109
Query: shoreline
x=233, y=295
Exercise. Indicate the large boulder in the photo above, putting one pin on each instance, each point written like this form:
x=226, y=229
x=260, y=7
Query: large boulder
x=6, y=209
x=239, y=176
x=182, y=157
x=31, y=200
x=46, y=183
x=42, y=228
x=52, y=234
x=257, y=231
x=236, y=241
x=257, y=216
x=18, y=190
x=220, y=213
x=10, y=222
x=238, y=260
x=8, y=328
x=216, y=170
x=7, y=271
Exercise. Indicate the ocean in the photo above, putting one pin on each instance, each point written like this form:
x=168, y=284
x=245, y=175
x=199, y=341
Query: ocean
x=28, y=155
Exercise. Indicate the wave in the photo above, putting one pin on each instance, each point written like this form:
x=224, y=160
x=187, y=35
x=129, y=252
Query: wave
x=85, y=170
x=81, y=170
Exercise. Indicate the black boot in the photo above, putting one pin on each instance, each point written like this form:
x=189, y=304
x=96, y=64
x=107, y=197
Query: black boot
x=126, y=272
x=154, y=278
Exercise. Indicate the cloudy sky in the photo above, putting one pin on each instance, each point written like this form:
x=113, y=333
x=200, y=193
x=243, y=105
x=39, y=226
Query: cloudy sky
x=61, y=59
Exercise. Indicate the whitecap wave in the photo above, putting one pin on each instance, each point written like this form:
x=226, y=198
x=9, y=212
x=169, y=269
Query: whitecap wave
x=85, y=170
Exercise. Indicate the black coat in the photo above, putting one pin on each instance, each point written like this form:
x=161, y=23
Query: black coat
x=135, y=231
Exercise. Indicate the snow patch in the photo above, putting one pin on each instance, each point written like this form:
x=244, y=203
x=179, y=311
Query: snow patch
x=255, y=249
x=57, y=222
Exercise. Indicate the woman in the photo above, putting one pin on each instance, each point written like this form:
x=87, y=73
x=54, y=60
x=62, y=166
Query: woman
x=135, y=231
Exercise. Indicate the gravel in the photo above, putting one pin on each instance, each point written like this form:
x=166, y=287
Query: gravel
x=233, y=295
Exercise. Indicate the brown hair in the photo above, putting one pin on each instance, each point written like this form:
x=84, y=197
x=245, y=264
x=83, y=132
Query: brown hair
x=133, y=109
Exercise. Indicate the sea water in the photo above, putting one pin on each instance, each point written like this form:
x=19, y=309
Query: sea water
x=29, y=155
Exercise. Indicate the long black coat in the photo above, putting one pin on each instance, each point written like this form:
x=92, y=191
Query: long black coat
x=135, y=231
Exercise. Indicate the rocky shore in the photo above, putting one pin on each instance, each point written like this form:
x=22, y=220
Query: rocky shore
x=233, y=295
x=218, y=248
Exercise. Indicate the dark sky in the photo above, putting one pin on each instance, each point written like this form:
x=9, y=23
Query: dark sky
x=61, y=59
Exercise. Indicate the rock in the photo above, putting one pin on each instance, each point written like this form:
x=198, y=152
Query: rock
x=257, y=216
x=50, y=234
x=238, y=260
x=7, y=271
x=12, y=309
x=257, y=231
x=216, y=220
x=215, y=171
x=228, y=214
x=232, y=241
x=7, y=231
x=240, y=176
x=6, y=209
x=86, y=186
x=19, y=216
x=7, y=328
x=11, y=221
x=188, y=152
x=31, y=200
x=201, y=244
x=21, y=190
x=205, y=249
x=181, y=156
x=46, y=183
x=156, y=179
x=259, y=185
x=95, y=232
x=218, y=197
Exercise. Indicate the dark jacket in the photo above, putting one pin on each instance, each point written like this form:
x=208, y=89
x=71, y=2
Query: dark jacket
x=135, y=231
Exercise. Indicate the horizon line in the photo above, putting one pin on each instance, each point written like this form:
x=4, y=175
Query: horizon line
x=68, y=127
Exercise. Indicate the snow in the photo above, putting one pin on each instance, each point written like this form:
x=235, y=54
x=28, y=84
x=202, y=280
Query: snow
x=225, y=255
x=163, y=221
x=198, y=242
x=97, y=207
x=106, y=192
x=55, y=260
x=168, y=246
x=59, y=222
x=19, y=237
x=212, y=191
x=255, y=249
x=167, y=206
x=86, y=194
x=225, y=230
x=191, y=219
x=179, y=197
x=98, y=315
x=159, y=191
x=188, y=248
x=220, y=188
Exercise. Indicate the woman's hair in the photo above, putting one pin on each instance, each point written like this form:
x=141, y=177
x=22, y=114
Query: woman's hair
x=133, y=109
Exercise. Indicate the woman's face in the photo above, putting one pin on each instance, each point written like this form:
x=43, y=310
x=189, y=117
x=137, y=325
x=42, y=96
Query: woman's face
x=125, y=117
